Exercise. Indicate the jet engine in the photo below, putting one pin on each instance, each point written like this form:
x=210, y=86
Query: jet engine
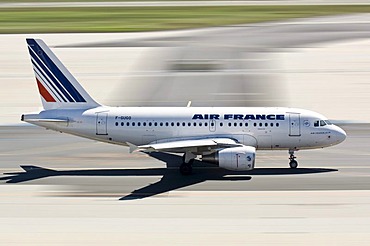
x=236, y=158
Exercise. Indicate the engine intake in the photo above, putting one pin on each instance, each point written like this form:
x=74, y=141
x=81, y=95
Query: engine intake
x=235, y=158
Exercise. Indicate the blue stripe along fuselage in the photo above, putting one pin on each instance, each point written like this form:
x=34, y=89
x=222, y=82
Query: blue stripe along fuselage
x=55, y=70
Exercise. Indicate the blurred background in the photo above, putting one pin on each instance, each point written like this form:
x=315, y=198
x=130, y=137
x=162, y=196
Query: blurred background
x=212, y=53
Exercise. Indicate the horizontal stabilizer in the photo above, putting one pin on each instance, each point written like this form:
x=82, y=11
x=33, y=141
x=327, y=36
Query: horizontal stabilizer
x=49, y=120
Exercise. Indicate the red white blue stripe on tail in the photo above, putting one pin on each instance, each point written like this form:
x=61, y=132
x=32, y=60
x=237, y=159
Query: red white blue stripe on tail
x=57, y=86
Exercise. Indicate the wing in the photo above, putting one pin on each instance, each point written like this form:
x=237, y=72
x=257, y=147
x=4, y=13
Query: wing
x=192, y=145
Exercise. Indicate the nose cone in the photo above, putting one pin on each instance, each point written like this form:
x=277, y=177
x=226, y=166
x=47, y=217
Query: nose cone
x=340, y=135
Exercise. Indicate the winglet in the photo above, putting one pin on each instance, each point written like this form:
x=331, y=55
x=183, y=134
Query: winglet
x=133, y=147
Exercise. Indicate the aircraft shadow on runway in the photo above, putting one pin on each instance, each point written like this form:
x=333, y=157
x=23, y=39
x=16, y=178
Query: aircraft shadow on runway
x=171, y=178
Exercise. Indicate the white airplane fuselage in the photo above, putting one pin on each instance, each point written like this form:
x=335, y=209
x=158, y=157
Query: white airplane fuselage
x=228, y=136
x=264, y=128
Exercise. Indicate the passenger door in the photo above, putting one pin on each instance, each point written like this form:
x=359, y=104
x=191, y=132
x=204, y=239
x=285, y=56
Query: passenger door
x=294, y=124
x=101, y=123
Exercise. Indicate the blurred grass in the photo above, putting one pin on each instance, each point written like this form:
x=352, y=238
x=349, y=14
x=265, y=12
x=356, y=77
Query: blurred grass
x=133, y=19
x=51, y=1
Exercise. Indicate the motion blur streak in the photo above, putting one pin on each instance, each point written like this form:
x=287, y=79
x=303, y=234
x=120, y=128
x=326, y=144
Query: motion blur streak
x=248, y=65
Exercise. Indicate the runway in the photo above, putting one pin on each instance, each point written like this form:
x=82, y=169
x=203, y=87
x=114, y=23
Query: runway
x=51, y=158
x=71, y=185
x=65, y=157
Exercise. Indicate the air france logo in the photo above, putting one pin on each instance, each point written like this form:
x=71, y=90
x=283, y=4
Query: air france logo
x=238, y=117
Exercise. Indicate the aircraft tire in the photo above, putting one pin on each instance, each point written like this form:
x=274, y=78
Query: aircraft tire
x=293, y=164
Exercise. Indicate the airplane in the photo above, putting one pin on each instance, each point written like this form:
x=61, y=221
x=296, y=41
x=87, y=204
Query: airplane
x=226, y=136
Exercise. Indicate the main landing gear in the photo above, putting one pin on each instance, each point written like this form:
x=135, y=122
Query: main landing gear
x=292, y=163
x=187, y=162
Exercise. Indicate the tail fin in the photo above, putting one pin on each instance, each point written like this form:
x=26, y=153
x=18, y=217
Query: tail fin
x=57, y=86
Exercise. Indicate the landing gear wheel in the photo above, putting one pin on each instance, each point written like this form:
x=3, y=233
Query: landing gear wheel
x=186, y=169
x=187, y=162
x=293, y=164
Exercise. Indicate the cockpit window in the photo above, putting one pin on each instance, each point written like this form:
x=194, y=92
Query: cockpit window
x=319, y=123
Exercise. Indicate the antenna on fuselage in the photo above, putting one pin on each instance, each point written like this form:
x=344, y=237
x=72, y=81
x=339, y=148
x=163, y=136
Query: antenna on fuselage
x=189, y=104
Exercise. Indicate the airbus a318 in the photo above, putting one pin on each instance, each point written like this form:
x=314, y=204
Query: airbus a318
x=226, y=136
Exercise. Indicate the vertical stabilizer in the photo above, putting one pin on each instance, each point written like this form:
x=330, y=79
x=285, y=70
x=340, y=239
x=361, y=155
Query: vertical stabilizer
x=57, y=86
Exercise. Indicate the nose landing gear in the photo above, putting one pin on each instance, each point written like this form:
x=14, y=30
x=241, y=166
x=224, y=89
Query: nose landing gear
x=292, y=162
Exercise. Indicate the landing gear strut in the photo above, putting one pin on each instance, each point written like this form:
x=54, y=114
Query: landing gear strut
x=292, y=163
x=187, y=162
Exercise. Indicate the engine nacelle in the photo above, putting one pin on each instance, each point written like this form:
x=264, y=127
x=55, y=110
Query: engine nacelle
x=235, y=158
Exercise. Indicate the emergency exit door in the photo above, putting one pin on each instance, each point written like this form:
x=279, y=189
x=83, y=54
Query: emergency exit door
x=212, y=125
